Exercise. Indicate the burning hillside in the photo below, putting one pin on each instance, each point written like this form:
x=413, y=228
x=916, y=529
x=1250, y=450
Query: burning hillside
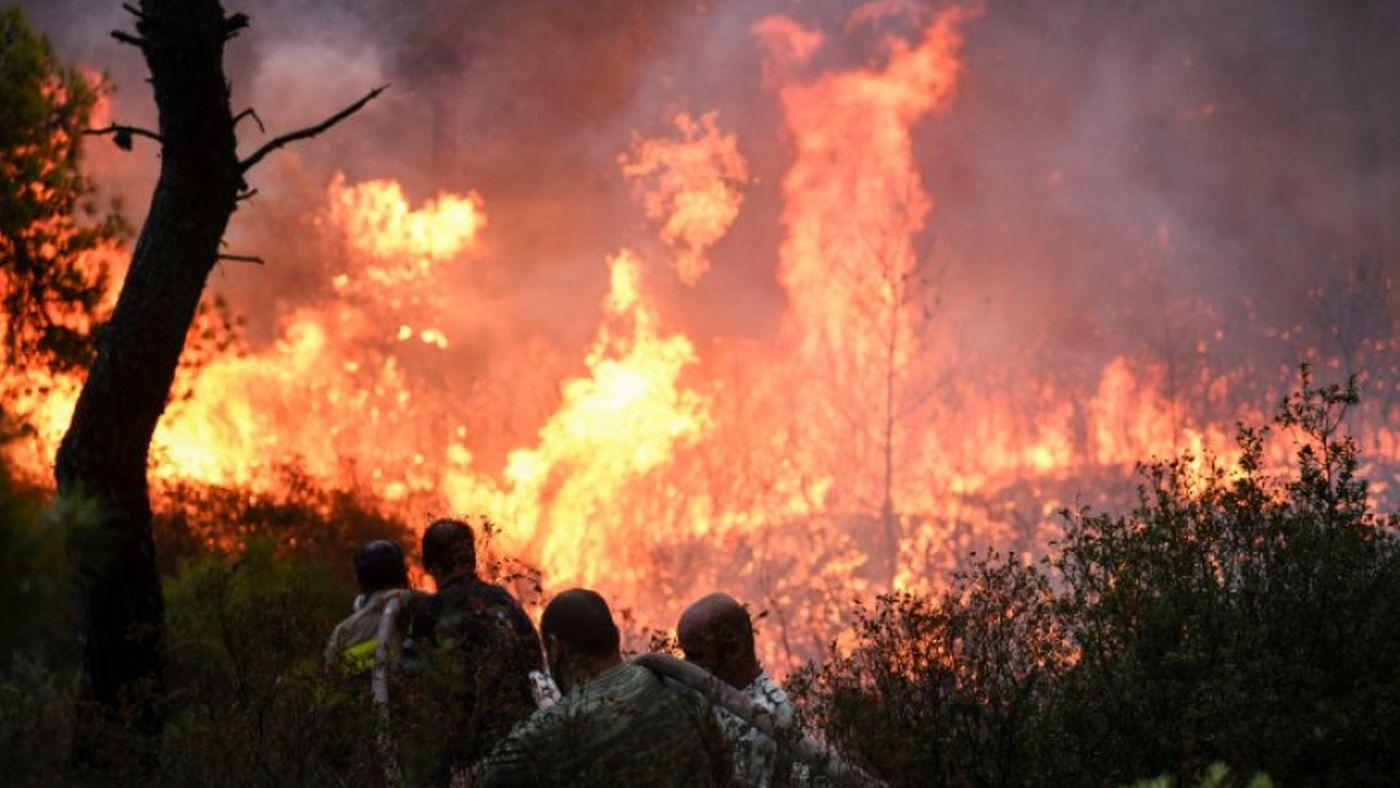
x=763, y=337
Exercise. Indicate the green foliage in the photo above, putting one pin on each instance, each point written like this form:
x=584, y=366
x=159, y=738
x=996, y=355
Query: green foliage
x=34, y=582
x=251, y=706
x=1232, y=616
x=1217, y=776
x=246, y=620
x=36, y=653
x=50, y=288
x=947, y=689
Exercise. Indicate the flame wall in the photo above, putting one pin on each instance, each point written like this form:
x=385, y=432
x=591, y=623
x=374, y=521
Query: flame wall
x=792, y=299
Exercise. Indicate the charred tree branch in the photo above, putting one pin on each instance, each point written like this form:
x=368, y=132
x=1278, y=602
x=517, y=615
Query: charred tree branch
x=234, y=23
x=309, y=131
x=122, y=135
x=127, y=38
x=243, y=258
x=250, y=113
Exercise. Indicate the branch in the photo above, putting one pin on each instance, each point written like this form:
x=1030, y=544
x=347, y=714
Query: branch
x=234, y=23
x=309, y=131
x=127, y=38
x=250, y=113
x=122, y=135
x=243, y=258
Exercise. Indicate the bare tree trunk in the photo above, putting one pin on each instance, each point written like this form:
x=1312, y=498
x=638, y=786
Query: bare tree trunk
x=102, y=460
x=103, y=456
x=889, y=523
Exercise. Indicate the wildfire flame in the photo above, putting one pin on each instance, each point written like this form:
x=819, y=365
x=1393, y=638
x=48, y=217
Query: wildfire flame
x=691, y=186
x=663, y=466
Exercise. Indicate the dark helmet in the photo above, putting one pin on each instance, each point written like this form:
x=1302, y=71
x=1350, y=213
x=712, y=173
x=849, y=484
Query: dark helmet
x=379, y=565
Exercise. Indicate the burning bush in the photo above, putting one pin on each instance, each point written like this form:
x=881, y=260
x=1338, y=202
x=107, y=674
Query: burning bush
x=299, y=516
x=1233, y=615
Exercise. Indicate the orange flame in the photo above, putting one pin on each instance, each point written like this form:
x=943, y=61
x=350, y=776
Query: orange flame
x=662, y=467
x=692, y=186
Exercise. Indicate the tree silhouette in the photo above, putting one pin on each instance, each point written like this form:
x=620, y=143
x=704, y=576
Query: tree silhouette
x=103, y=458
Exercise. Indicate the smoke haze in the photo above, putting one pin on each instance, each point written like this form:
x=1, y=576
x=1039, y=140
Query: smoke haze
x=1183, y=197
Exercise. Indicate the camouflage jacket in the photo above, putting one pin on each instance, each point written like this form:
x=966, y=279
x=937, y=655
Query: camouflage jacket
x=757, y=760
x=625, y=727
x=470, y=682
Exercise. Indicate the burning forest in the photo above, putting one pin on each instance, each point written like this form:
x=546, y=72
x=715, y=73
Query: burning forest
x=815, y=303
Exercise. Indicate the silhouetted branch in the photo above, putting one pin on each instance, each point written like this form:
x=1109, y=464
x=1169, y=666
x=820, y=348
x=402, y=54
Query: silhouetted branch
x=243, y=258
x=127, y=38
x=234, y=23
x=121, y=135
x=309, y=131
x=250, y=113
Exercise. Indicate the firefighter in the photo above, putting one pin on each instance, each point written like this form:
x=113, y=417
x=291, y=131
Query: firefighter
x=382, y=575
x=618, y=724
x=480, y=664
x=716, y=634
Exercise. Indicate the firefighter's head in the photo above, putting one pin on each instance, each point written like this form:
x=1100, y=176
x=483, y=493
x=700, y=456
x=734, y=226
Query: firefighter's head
x=379, y=565
x=580, y=638
x=449, y=549
x=716, y=633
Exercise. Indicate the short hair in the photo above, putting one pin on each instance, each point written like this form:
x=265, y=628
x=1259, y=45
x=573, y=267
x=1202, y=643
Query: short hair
x=379, y=565
x=448, y=545
x=581, y=619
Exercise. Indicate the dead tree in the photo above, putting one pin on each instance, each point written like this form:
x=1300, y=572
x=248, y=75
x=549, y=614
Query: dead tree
x=894, y=296
x=102, y=461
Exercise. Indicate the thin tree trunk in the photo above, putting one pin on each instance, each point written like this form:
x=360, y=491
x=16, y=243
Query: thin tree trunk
x=888, y=521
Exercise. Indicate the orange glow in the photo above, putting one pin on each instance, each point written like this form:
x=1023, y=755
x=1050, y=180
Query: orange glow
x=648, y=459
x=691, y=186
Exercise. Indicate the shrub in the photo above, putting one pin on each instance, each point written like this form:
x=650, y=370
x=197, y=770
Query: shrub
x=1232, y=616
x=250, y=706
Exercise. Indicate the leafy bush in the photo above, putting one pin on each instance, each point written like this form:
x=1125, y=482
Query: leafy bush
x=246, y=623
x=946, y=690
x=192, y=519
x=1232, y=616
x=250, y=706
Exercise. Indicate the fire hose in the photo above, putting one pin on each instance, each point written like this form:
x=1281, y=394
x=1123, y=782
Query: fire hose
x=788, y=735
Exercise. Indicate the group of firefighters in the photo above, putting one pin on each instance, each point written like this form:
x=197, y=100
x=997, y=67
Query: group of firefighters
x=562, y=706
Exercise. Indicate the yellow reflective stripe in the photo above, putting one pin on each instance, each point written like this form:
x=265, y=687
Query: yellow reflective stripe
x=360, y=656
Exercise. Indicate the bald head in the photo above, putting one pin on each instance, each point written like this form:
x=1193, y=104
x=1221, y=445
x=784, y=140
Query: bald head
x=716, y=633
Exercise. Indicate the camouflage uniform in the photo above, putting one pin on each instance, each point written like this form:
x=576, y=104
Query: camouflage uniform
x=758, y=762
x=472, y=682
x=625, y=727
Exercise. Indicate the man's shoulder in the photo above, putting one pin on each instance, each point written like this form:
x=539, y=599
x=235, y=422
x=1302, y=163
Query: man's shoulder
x=478, y=596
x=767, y=692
